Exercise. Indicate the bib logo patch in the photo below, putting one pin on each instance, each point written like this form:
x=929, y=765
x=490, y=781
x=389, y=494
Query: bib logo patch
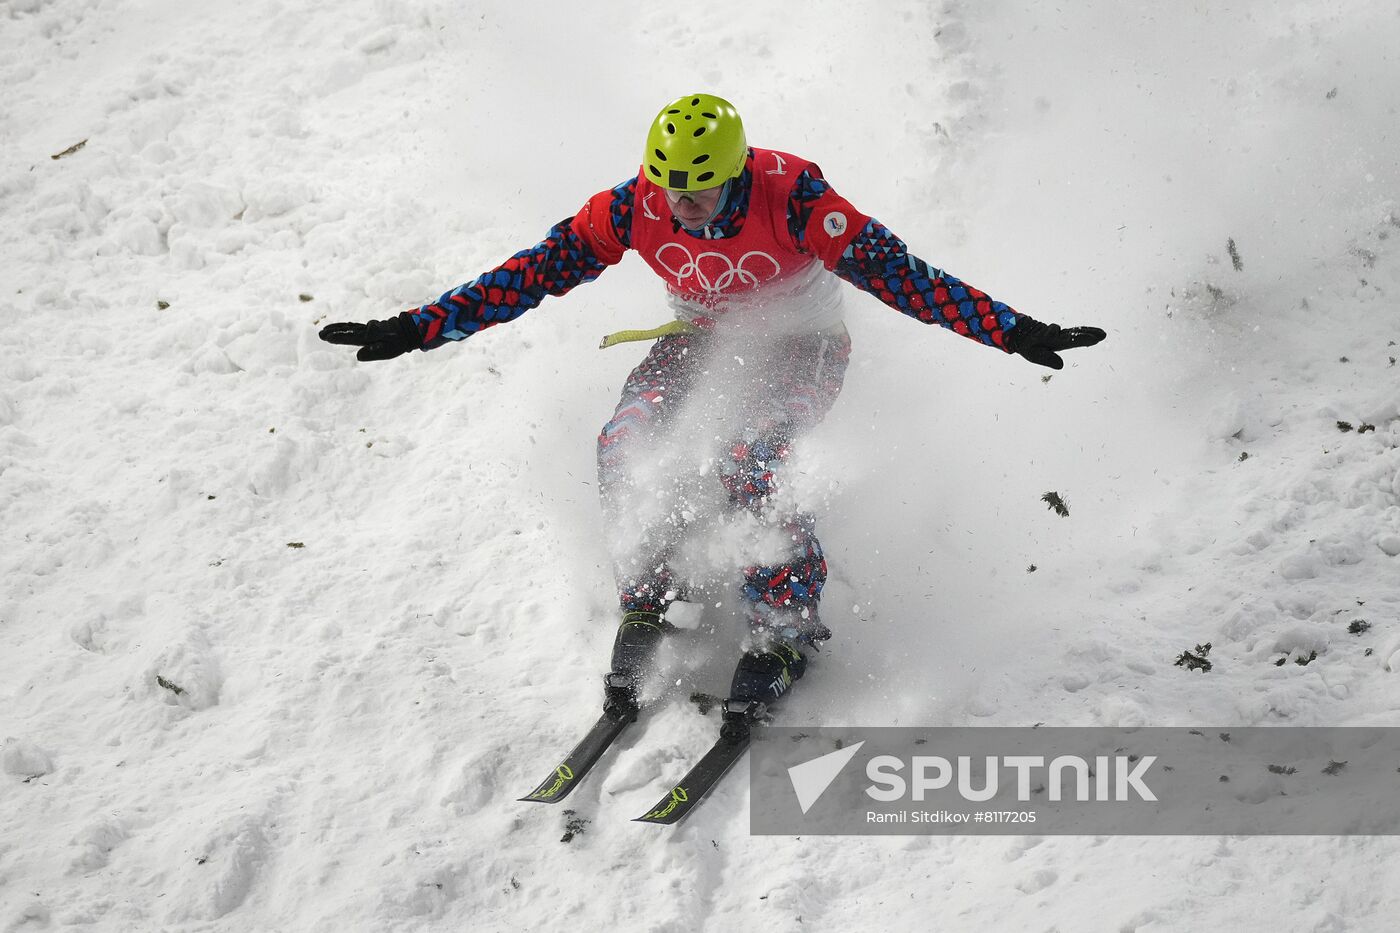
x=834, y=223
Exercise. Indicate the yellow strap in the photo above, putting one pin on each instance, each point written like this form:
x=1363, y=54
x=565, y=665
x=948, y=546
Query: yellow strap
x=665, y=330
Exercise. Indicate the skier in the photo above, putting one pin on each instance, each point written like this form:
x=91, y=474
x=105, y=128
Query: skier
x=750, y=243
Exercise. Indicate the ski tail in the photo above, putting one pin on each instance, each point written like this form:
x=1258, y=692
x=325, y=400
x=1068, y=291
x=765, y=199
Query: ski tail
x=580, y=760
x=731, y=745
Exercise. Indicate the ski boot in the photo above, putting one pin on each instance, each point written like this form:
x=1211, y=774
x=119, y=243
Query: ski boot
x=760, y=678
x=765, y=674
x=633, y=648
x=769, y=670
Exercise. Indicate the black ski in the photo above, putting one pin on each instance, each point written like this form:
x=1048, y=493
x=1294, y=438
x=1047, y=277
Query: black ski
x=584, y=756
x=619, y=710
x=731, y=745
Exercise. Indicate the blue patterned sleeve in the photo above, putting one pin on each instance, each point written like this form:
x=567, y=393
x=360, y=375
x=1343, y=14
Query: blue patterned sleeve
x=878, y=262
x=573, y=252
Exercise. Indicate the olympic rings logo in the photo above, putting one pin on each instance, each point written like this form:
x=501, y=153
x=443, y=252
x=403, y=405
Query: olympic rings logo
x=715, y=273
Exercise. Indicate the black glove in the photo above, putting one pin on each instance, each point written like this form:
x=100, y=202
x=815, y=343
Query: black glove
x=1039, y=342
x=377, y=340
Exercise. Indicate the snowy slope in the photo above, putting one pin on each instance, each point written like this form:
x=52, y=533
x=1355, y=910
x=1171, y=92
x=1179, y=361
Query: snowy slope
x=377, y=587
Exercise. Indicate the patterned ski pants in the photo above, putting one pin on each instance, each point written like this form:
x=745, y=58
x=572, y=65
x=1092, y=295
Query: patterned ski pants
x=733, y=410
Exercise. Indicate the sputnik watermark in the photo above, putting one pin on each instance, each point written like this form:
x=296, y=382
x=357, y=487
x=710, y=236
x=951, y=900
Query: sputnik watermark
x=811, y=778
x=1119, y=777
x=1253, y=780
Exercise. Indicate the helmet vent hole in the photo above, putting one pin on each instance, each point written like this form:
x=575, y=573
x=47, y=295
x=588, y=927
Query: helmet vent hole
x=673, y=110
x=699, y=132
x=661, y=156
x=710, y=115
x=654, y=170
x=671, y=128
x=704, y=176
x=700, y=158
x=695, y=102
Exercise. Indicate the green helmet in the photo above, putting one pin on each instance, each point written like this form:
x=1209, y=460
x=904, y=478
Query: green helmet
x=695, y=142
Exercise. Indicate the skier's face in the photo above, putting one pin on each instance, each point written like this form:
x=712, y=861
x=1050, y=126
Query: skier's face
x=693, y=208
